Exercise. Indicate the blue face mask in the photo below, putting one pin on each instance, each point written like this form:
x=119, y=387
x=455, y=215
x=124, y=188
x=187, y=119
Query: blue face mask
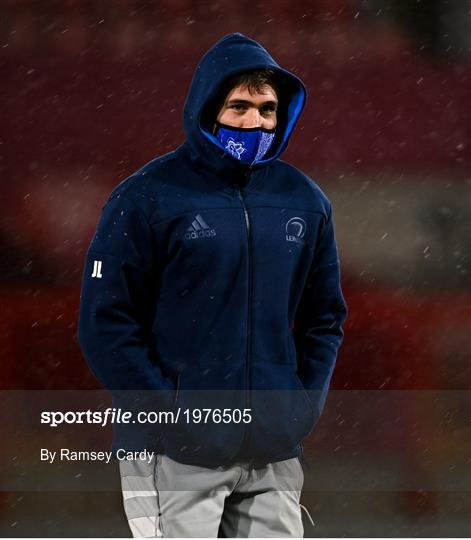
x=247, y=144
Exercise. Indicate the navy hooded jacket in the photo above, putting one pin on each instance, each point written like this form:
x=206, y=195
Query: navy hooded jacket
x=214, y=284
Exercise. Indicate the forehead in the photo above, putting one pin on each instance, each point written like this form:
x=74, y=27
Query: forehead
x=266, y=93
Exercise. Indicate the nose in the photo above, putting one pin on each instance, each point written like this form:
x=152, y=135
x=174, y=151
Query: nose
x=252, y=118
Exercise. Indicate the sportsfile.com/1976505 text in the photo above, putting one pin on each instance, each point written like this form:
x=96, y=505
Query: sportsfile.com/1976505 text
x=113, y=415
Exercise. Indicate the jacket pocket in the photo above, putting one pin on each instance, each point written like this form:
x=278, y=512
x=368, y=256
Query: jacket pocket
x=205, y=399
x=283, y=414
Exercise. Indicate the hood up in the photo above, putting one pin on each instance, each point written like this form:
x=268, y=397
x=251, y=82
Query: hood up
x=233, y=54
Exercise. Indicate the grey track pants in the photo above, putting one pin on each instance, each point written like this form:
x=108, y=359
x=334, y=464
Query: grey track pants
x=168, y=499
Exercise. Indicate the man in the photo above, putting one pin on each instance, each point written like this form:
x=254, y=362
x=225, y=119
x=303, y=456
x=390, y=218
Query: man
x=212, y=287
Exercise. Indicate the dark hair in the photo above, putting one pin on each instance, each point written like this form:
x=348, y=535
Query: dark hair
x=254, y=80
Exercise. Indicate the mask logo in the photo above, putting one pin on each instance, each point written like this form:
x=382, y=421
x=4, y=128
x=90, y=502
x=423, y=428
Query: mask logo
x=295, y=230
x=235, y=148
x=248, y=145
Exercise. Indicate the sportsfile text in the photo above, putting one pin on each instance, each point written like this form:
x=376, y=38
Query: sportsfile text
x=118, y=416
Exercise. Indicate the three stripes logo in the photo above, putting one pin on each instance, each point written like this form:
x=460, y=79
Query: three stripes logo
x=199, y=229
x=97, y=269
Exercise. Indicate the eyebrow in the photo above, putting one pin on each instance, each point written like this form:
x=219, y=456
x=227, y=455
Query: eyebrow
x=245, y=102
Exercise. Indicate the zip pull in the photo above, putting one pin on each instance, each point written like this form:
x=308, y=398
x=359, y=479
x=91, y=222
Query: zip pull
x=241, y=180
x=245, y=176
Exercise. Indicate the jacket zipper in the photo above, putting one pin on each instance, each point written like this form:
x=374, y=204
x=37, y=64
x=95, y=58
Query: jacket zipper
x=249, y=309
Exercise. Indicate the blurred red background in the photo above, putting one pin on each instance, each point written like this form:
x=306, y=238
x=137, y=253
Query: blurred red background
x=91, y=91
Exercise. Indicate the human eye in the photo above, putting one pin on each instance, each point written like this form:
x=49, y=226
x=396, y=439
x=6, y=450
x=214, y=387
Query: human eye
x=268, y=109
x=238, y=106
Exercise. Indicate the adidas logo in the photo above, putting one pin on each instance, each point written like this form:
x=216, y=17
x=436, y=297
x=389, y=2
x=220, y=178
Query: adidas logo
x=199, y=229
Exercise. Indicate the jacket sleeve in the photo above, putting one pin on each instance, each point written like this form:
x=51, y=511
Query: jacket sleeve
x=321, y=313
x=116, y=301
